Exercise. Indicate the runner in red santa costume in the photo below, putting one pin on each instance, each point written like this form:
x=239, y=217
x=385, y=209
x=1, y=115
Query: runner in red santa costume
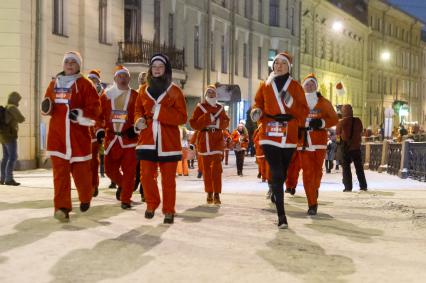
x=73, y=104
x=210, y=119
x=118, y=110
x=94, y=76
x=280, y=106
x=160, y=109
x=314, y=140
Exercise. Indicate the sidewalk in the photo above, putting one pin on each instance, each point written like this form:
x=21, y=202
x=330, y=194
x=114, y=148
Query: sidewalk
x=377, y=236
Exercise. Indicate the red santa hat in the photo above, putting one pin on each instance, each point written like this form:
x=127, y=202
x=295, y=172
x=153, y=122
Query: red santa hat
x=74, y=55
x=94, y=74
x=119, y=69
x=310, y=78
x=210, y=87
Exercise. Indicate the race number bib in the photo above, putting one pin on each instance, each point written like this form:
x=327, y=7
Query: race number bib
x=119, y=116
x=276, y=129
x=313, y=114
x=62, y=95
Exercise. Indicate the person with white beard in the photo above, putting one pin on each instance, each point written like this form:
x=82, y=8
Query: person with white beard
x=210, y=119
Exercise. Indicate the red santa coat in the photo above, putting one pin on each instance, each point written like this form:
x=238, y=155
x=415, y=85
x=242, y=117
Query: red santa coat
x=317, y=139
x=240, y=141
x=122, y=118
x=269, y=100
x=210, y=122
x=66, y=139
x=162, y=125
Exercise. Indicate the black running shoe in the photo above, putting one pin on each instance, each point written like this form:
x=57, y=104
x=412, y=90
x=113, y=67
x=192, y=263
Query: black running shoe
x=118, y=193
x=84, y=206
x=168, y=219
x=282, y=222
x=149, y=214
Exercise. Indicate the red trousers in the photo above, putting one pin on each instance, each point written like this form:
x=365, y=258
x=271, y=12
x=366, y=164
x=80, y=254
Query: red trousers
x=95, y=165
x=182, y=167
x=200, y=163
x=293, y=171
x=263, y=168
x=212, y=173
x=312, y=162
x=168, y=184
x=62, y=169
x=120, y=167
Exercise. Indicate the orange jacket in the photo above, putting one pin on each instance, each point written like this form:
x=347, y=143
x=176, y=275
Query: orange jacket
x=109, y=114
x=240, y=140
x=269, y=101
x=66, y=139
x=317, y=139
x=227, y=139
x=162, y=132
x=210, y=122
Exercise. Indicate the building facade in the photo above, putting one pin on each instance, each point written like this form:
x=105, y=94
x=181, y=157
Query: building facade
x=228, y=42
x=394, y=64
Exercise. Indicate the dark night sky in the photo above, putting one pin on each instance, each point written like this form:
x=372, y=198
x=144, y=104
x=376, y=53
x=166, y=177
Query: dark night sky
x=414, y=7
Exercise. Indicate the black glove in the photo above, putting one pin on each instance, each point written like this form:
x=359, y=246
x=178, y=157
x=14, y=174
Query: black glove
x=100, y=136
x=315, y=124
x=283, y=117
x=73, y=115
x=130, y=133
x=191, y=147
x=46, y=106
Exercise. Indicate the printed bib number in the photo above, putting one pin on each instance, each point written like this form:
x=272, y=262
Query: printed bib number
x=62, y=95
x=313, y=114
x=119, y=116
x=276, y=129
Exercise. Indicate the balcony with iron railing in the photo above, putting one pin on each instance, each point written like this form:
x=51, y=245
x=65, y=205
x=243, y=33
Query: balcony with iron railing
x=141, y=51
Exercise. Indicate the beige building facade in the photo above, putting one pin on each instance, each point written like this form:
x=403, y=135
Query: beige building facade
x=394, y=64
x=334, y=48
x=227, y=42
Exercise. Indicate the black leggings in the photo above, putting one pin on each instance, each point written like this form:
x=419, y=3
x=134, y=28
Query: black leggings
x=240, y=160
x=278, y=160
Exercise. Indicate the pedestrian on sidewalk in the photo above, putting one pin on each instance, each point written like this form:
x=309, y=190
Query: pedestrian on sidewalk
x=117, y=117
x=240, y=140
x=11, y=117
x=331, y=150
x=73, y=104
x=95, y=77
x=348, y=132
x=210, y=119
x=314, y=140
x=193, y=147
x=260, y=158
x=280, y=104
x=182, y=168
x=228, y=145
x=160, y=109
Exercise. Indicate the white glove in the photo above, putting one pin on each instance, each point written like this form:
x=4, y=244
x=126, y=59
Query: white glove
x=255, y=114
x=140, y=125
x=154, y=107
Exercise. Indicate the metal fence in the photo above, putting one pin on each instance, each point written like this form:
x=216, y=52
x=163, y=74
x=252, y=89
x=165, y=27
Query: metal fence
x=375, y=156
x=417, y=161
x=394, y=158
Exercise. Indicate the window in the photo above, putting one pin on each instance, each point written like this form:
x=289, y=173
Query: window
x=58, y=26
x=224, y=59
x=103, y=21
x=157, y=21
x=274, y=8
x=247, y=13
x=212, y=53
x=197, y=47
x=245, y=61
x=171, y=30
x=132, y=20
x=259, y=63
x=260, y=10
x=291, y=20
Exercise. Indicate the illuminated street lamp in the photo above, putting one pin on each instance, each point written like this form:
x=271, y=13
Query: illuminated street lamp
x=337, y=26
x=385, y=56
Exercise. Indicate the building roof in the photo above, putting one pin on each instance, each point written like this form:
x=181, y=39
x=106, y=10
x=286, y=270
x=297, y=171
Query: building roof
x=356, y=8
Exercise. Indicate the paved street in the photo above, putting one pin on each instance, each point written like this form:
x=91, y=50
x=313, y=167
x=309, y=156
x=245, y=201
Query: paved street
x=376, y=236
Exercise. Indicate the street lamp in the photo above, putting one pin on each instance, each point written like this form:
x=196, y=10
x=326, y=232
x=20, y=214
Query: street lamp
x=337, y=26
x=385, y=56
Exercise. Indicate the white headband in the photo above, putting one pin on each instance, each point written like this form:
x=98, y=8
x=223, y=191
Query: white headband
x=158, y=57
x=93, y=76
x=122, y=71
x=73, y=56
x=282, y=57
x=311, y=79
